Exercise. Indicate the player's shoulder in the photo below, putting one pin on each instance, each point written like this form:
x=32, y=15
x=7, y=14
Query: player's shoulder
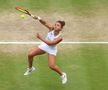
x=51, y=29
x=60, y=37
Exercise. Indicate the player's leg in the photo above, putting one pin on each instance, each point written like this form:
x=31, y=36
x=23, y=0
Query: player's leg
x=53, y=66
x=32, y=53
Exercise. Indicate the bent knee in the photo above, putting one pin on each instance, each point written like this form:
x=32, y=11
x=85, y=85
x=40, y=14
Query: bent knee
x=51, y=66
x=30, y=55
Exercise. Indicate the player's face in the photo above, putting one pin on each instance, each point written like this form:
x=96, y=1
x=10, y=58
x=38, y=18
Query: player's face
x=57, y=26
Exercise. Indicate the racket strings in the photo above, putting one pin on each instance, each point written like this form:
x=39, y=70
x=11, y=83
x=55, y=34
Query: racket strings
x=22, y=10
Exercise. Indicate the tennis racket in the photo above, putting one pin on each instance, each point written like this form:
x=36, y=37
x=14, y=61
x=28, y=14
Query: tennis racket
x=23, y=10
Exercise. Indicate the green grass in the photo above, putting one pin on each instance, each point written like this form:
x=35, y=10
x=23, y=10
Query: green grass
x=86, y=66
x=78, y=7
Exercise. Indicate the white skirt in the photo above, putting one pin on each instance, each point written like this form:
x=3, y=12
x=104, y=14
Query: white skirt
x=48, y=49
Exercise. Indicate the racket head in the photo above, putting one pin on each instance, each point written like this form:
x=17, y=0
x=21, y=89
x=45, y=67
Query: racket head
x=22, y=10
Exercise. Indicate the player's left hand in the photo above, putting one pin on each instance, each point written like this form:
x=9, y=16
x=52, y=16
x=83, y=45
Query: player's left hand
x=38, y=36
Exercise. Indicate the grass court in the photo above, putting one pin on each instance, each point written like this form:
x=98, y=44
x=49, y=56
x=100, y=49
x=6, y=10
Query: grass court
x=85, y=64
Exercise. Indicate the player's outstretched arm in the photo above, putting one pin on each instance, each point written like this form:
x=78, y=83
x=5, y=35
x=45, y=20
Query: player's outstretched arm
x=45, y=23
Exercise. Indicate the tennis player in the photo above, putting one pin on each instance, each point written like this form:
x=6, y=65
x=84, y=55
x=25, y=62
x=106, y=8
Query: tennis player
x=49, y=46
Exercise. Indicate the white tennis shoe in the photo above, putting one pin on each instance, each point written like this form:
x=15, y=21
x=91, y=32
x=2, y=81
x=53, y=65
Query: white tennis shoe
x=29, y=71
x=64, y=78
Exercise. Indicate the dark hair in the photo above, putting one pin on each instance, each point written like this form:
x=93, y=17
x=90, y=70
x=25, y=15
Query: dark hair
x=61, y=22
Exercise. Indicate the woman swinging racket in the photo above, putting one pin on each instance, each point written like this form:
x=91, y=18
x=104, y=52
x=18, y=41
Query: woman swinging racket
x=49, y=46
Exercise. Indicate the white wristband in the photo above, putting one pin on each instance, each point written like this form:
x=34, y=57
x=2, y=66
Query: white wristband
x=39, y=18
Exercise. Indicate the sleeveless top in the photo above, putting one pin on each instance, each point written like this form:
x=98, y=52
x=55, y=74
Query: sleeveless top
x=52, y=49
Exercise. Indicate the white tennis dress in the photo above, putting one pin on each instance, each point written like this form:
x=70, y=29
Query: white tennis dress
x=52, y=49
